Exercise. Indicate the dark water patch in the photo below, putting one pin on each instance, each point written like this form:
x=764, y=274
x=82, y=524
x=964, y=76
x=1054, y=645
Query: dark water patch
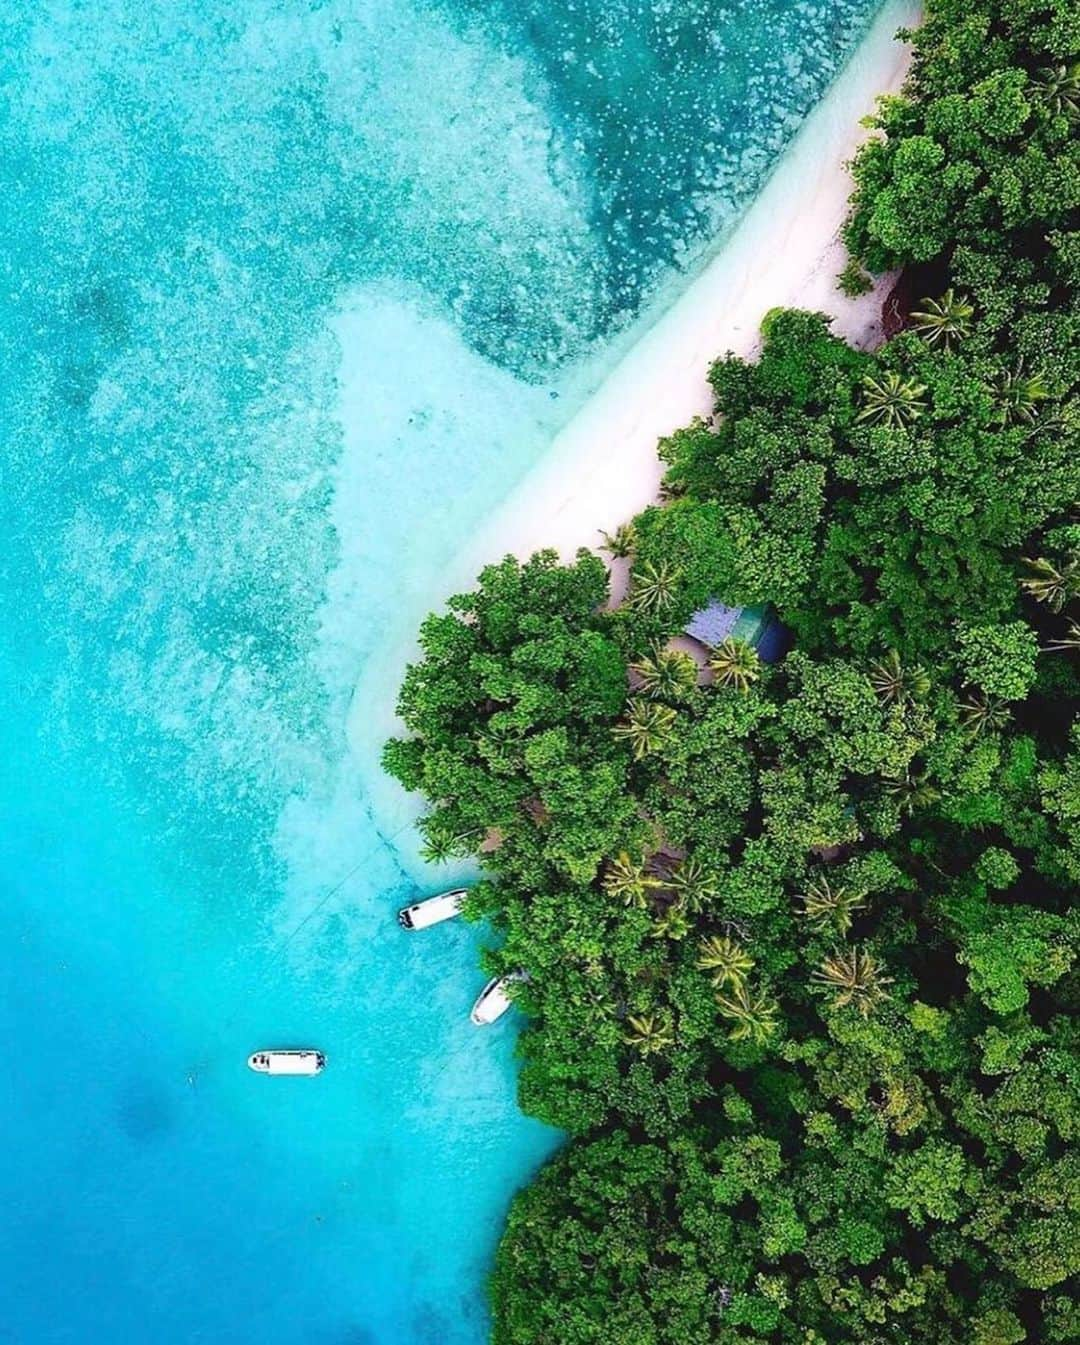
x=430, y=1325
x=354, y=1334
x=144, y=1113
x=678, y=110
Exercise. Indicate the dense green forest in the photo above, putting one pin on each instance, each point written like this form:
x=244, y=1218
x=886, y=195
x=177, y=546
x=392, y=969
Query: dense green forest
x=800, y=937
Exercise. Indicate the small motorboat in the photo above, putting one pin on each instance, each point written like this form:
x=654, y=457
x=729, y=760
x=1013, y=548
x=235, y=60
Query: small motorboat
x=275, y=1061
x=494, y=1000
x=434, y=910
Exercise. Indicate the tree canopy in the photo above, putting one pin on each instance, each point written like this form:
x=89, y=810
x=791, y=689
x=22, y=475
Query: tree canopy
x=800, y=938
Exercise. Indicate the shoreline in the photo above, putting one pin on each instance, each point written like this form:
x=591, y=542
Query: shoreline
x=603, y=468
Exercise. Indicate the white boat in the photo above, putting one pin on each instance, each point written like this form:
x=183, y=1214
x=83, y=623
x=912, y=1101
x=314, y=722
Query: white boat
x=433, y=911
x=273, y=1061
x=494, y=1000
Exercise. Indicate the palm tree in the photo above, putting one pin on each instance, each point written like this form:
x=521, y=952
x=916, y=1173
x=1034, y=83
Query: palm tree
x=647, y=728
x=1051, y=585
x=695, y=886
x=620, y=543
x=653, y=587
x=595, y=988
x=912, y=792
x=650, y=1033
x=891, y=400
x=437, y=849
x=893, y=682
x=1059, y=88
x=942, y=321
x=441, y=843
x=825, y=905
x=728, y=961
x=666, y=674
x=735, y=664
x=1070, y=640
x=754, y=1014
x=674, y=923
x=854, y=977
x=1019, y=394
x=984, y=714
x=628, y=881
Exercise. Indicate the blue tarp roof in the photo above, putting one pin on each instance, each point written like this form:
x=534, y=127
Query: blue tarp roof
x=713, y=624
x=758, y=626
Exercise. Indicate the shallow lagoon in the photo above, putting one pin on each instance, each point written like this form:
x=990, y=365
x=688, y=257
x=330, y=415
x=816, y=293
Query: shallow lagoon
x=212, y=227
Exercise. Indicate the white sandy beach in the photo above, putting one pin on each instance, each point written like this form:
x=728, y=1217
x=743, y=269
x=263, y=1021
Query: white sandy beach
x=603, y=467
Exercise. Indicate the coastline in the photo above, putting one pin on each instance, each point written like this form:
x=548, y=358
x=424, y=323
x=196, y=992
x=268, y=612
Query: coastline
x=603, y=468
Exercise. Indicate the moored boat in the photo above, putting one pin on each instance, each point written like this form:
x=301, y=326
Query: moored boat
x=433, y=910
x=494, y=1000
x=278, y=1061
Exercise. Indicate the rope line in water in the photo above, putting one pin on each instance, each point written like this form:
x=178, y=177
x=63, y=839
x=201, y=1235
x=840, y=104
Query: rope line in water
x=387, y=841
x=383, y=841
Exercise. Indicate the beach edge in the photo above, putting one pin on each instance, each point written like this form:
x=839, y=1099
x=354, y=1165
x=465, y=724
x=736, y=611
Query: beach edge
x=603, y=468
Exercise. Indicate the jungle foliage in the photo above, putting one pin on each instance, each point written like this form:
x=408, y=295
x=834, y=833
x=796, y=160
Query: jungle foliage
x=800, y=938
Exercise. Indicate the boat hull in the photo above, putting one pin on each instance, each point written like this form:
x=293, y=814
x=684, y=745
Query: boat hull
x=493, y=1001
x=432, y=911
x=287, y=1062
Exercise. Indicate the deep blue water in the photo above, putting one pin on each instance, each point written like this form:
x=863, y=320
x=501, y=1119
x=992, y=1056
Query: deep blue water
x=292, y=295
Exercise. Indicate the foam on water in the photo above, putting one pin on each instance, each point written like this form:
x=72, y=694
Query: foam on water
x=294, y=294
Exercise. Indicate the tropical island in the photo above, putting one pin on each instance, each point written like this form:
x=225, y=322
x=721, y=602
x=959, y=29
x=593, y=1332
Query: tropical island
x=796, y=913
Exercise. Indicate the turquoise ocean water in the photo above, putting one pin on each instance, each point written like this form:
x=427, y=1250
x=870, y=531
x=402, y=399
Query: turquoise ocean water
x=292, y=294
